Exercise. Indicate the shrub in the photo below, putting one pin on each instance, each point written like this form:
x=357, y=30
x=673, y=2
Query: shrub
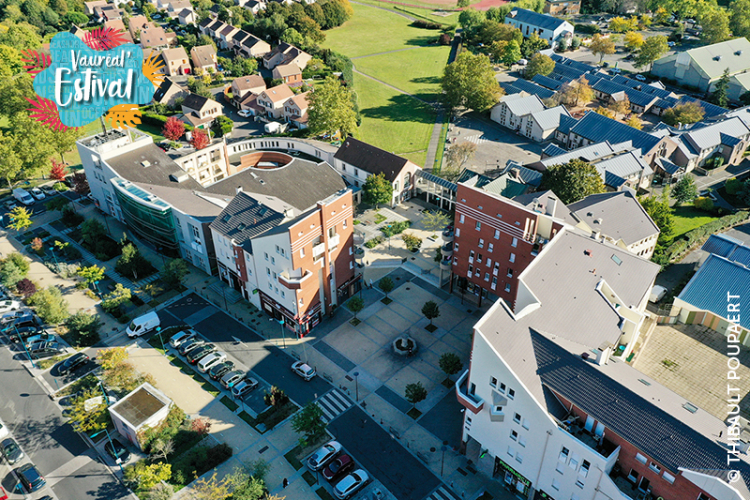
x=374, y=242
x=50, y=305
x=133, y=264
x=200, y=460
x=70, y=217
x=428, y=25
x=734, y=186
x=589, y=29
x=444, y=39
x=174, y=272
x=84, y=328
x=112, y=301
x=26, y=288
x=705, y=204
x=60, y=187
x=412, y=242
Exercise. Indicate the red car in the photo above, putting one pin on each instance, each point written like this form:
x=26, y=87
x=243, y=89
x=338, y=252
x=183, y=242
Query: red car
x=338, y=467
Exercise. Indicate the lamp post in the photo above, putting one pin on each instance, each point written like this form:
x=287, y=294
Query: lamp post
x=224, y=294
x=443, y=448
x=283, y=333
x=118, y=460
x=96, y=287
x=158, y=332
x=356, y=386
x=24, y=346
x=106, y=398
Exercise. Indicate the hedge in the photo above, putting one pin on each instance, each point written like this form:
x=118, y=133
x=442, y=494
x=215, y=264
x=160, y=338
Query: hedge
x=699, y=234
x=589, y=29
x=155, y=120
x=428, y=25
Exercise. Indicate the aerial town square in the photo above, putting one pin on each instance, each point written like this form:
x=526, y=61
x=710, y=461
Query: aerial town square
x=375, y=249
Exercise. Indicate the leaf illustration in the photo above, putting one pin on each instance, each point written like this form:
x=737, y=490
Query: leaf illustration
x=45, y=111
x=35, y=61
x=123, y=115
x=151, y=67
x=104, y=38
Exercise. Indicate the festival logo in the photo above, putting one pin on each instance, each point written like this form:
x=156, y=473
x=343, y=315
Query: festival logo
x=87, y=78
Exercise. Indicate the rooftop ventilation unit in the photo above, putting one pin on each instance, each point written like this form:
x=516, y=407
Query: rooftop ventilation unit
x=178, y=177
x=717, y=58
x=145, y=163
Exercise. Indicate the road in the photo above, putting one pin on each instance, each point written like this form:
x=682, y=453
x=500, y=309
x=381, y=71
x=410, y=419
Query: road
x=243, y=127
x=51, y=444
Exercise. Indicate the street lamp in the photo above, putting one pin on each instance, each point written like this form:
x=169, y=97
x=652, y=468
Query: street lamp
x=443, y=448
x=118, y=460
x=158, y=332
x=356, y=385
x=106, y=398
x=24, y=346
x=283, y=333
x=224, y=294
x=96, y=288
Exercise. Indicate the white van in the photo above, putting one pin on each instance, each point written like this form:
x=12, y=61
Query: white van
x=274, y=127
x=143, y=324
x=23, y=196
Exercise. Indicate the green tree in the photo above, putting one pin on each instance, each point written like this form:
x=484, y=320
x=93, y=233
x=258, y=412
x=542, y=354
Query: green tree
x=91, y=274
x=12, y=164
x=532, y=45
x=377, y=190
x=10, y=61
x=539, y=64
x=10, y=274
x=84, y=328
x=511, y=54
x=635, y=122
x=386, y=284
x=111, y=358
x=116, y=298
x=223, y=125
x=690, y=112
x=292, y=37
x=245, y=486
x=633, y=41
x=91, y=417
x=435, y=220
x=143, y=476
x=20, y=219
x=658, y=209
x=685, y=191
x=715, y=24
x=470, y=82
x=50, y=305
x=719, y=95
x=739, y=18
x=411, y=241
x=573, y=181
x=355, y=305
x=65, y=140
x=450, y=363
x=415, y=393
x=309, y=421
x=470, y=18
x=21, y=36
x=733, y=186
x=431, y=310
x=601, y=46
x=652, y=49
x=331, y=109
x=174, y=272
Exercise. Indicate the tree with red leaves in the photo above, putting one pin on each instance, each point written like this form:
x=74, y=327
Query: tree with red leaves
x=58, y=171
x=200, y=139
x=173, y=129
x=26, y=287
x=81, y=184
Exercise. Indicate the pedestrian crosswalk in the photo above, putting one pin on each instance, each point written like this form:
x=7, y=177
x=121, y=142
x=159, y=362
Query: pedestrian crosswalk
x=442, y=493
x=476, y=138
x=333, y=404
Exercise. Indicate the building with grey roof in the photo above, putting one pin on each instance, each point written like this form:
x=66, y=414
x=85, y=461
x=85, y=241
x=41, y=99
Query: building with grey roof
x=143, y=408
x=511, y=110
x=528, y=87
x=547, y=27
x=542, y=125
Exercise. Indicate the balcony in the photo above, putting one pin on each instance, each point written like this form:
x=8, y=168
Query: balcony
x=447, y=249
x=448, y=236
x=318, y=251
x=470, y=401
x=294, y=280
x=599, y=444
x=333, y=242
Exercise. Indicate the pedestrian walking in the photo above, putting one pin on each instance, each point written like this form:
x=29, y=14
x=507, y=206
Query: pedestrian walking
x=285, y=483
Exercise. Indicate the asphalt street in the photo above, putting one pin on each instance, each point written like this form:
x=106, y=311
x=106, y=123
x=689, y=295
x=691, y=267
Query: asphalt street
x=50, y=443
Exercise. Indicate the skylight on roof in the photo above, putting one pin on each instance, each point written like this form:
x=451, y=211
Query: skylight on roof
x=690, y=407
x=241, y=227
x=617, y=259
x=226, y=218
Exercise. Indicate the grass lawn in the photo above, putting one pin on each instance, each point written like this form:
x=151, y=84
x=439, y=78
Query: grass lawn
x=393, y=121
x=154, y=132
x=416, y=71
x=687, y=218
x=72, y=157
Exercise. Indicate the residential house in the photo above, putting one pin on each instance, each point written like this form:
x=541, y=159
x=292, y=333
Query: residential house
x=255, y=6
x=562, y=7
x=547, y=27
x=214, y=29
x=187, y=16
x=250, y=45
x=119, y=26
x=137, y=24
x=204, y=57
x=199, y=111
x=176, y=6
x=526, y=87
x=295, y=110
x=541, y=125
x=245, y=91
x=610, y=92
x=205, y=26
x=225, y=36
x=512, y=109
x=154, y=38
x=144, y=408
x=702, y=67
x=108, y=13
x=286, y=54
x=78, y=32
x=356, y=161
x=272, y=100
x=168, y=92
x=288, y=73
x=176, y=62
x=90, y=6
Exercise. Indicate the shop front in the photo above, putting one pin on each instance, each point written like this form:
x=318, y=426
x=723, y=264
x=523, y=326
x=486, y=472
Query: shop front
x=512, y=479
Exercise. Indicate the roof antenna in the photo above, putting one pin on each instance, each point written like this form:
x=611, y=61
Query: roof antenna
x=104, y=127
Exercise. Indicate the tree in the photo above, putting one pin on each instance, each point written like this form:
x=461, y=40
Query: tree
x=80, y=183
x=331, y=109
x=703, y=203
x=532, y=45
x=661, y=15
x=578, y=91
x=355, y=305
x=211, y=488
x=174, y=272
x=621, y=25
x=411, y=241
x=715, y=24
x=497, y=49
x=32, y=142
x=719, y=95
x=470, y=82
x=470, y=18
x=309, y=421
x=377, y=190
x=57, y=173
x=116, y=298
x=162, y=491
x=690, y=112
x=511, y=54
x=13, y=269
x=457, y=156
x=222, y=126
x=601, y=46
x=199, y=139
x=415, y=393
x=12, y=164
x=435, y=220
x=633, y=41
x=739, y=18
x=573, y=181
x=26, y=287
x=50, y=305
x=91, y=417
x=430, y=310
x=91, y=274
x=246, y=487
x=173, y=129
x=539, y=64
x=161, y=449
x=685, y=191
x=386, y=284
x=658, y=209
x=147, y=476
x=20, y=219
x=84, y=327
x=450, y=363
x=112, y=358
x=652, y=49
x=621, y=107
x=10, y=61
x=37, y=244
x=635, y=122
x=64, y=140
x=132, y=262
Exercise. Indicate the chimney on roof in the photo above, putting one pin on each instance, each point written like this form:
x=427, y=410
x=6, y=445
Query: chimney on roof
x=603, y=353
x=598, y=221
x=596, y=234
x=551, y=205
x=238, y=190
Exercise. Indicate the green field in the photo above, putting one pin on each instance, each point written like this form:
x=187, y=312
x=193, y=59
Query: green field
x=687, y=218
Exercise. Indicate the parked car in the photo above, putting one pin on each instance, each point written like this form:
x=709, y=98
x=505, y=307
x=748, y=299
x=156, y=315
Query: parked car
x=615, y=71
x=118, y=451
x=708, y=193
x=37, y=193
x=182, y=337
x=304, y=370
x=340, y=466
x=3, y=430
x=244, y=387
x=73, y=363
x=39, y=337
x=522, y=62
x=231, y=378
x=244, y=113
x=657, y=293
x=9, y=305
x=11, y=451
x=30, y=478
x=23, y=196
x=11, y=316
x=186, y=347
x=640, y=78
x=670, y=44
x=23, y=333
x=325, y=454
x=46, y=351
x=199, y=353
x=26, y=319
x=351, y=484
x=211, y=360
x=221, y=369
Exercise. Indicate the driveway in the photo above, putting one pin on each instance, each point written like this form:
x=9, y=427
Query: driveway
x=243, y=127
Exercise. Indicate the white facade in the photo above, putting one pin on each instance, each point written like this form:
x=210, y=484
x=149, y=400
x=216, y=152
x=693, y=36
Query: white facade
x=272, y=255
x=552, y=36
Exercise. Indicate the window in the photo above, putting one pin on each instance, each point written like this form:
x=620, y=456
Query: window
x=282, y=294
x=510, y=273
x=497, y=410
x=560, y=467
x=654, y=467
x=514, y=435
x=301, y=252
x=585, y=466
x=471, y=256
x=493, y=381
x=519, y=458
x=268, y=272
x=668, y=477
x=512, y=257
x=522, y=441
x=479, y=258
x=525, y=424
x=501, y=388
x=640, y=458
x=556, y=484
x=461, y=219
x=455, y=247
x=517, y=418
x=514, y=243
x=497, y=234
x=273, y=260
x=511, y=394
x=344, y=224
x=481, y=243
x=478, y=226
x=510, y=451
x=351, y=265
x=507, y=287
x=563, y=455
x=486, y=276
x=490, y=247
x=703, y=496
x=274, y=275
x=489, y=262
